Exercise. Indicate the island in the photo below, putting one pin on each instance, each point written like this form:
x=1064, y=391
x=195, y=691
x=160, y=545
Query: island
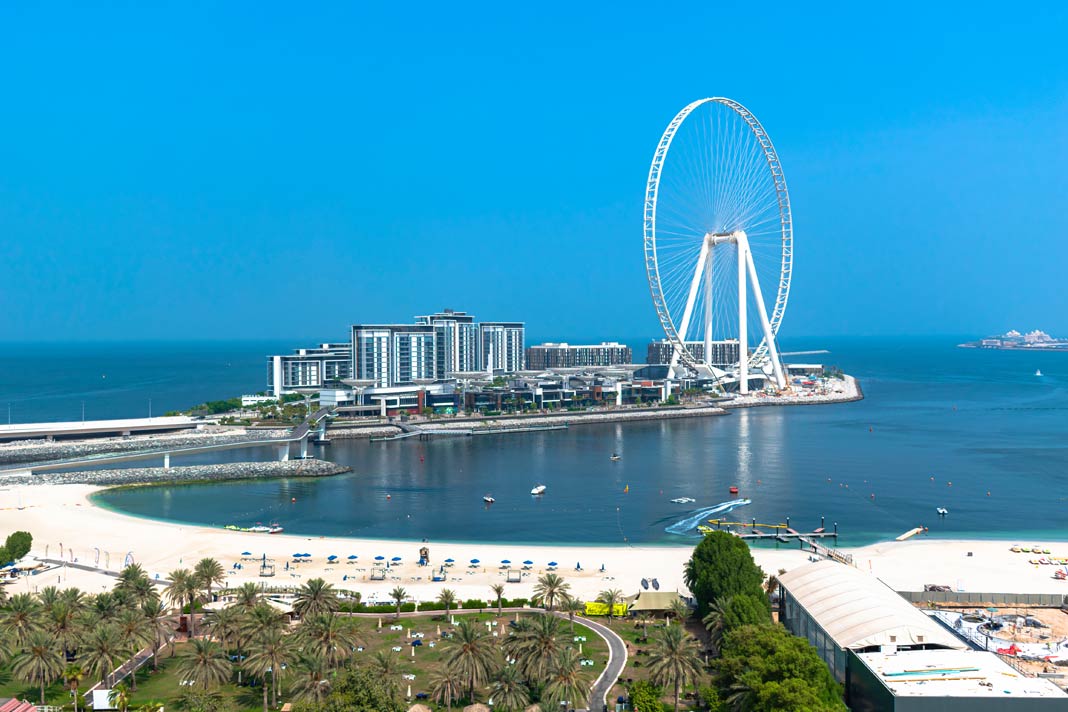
x=1031, y=341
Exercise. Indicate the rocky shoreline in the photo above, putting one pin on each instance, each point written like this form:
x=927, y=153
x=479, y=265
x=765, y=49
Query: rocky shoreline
x=193, y=473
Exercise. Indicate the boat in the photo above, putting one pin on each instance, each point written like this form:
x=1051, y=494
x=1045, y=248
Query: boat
x=275, y=529
x=615, y=458
x=704, y=529
x=259, y=529
x=538, y=490
x=488, y=499
x=942, y=511
x=683, y=500
x=733, y=490
x=1038, y=371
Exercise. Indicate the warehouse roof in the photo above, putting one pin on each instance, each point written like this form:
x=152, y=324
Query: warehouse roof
x=858, y=610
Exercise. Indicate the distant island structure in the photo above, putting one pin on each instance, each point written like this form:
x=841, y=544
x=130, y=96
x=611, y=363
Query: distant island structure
x=1031, y=341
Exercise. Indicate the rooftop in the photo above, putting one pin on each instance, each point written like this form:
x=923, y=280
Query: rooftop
x=858, y=610
x=954, y=673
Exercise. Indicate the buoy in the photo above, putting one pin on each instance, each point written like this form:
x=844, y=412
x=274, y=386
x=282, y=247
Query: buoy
x=389, y=497
x=626, y=489
x=293, y=500
x=988, y=493
x=949, y=484
x=873, y=495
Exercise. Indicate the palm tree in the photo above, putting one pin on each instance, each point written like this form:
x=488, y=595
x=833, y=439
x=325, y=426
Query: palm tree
x=129, y=576
x=611, y=598
x=549, y=589
x=679, y=609
x=105, y=606
x=398, y=595
x=674, y=660
x=157, y=620
x=472, y=655
x=225, y=625
x=446, y=686
x=183, y=588
x=247, y=596
x=209, y=572
x=771, y=585
x=120, y=697
x=20, y=618
x=99, y=651
x=535, y=646
x=447, y=598
x=329, y=636
x=135, y=633
x=260, y=619
x=72, y=678
x=714, y=620
x=498, y=591
x=63, y=623
x=387, y=665
x=312, y=682
x=271, y=652
x=204, y=662
x=567, y=681
x=314, y=597
x=40, y=662
x=509, y=692
x=571, y=605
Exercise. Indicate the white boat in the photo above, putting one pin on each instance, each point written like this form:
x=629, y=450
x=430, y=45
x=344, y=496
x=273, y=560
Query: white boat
x=615, y=458
x=260, y=529
x=538, y=490
x=275, y=529
x=942, y=511
x=488, y=499
x=1038, y=371
x=683, y=500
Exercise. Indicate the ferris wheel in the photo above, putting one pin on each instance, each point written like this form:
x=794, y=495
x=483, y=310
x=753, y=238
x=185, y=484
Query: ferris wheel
x=719, y=242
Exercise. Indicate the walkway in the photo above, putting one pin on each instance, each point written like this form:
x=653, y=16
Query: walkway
x=617, y=660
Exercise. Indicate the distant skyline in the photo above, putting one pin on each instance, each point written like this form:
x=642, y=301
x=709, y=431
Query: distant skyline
x=271, y=173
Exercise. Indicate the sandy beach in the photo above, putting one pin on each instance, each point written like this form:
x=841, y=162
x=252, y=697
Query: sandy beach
x=62, y=516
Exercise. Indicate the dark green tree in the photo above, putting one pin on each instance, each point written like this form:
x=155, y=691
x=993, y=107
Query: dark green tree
x=645, y=697
x=721, y=566
x=356, y=690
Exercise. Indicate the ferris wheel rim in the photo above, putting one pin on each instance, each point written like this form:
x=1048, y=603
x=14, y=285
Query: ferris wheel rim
x=785, y=222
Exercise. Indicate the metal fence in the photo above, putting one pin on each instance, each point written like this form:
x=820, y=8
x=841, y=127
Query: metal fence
x=1045, y=600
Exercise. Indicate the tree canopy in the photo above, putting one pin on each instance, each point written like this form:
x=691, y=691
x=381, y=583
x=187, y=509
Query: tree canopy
x=720, y=567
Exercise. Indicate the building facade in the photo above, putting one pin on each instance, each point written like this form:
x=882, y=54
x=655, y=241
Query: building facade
x=455, y=341
x=392, y=354
x=724, y=353
x=563, y=355
x=501, y=346
x=309, y=368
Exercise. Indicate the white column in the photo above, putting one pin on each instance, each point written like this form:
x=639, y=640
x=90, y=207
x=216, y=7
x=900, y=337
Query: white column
x=765, y=324
x=695, y=283
x=743, y=337
x=283, y=452
x=166, y=461
x=708, y=304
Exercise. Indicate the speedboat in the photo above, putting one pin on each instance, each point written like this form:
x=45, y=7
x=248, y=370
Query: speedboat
x=942, y=511
x=275, y=529
x=259, y=529
x=488, y=499
x=733, y=490
x=704, y=529
x=615, y=458
x=538, y=490
x=1038, y=372
x=683, y=500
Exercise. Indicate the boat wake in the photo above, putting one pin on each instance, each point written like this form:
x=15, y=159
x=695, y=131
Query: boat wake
x=687, y=526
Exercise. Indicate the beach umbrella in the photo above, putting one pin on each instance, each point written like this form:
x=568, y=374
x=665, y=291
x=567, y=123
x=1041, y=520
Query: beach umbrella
x=297, y=556
x=353, y=556
x=307, y=555
x=505, y=561
x=246, y=553
x=450, y=561
x=552, y=563
x=475, y=561
x=380, y=558
x=395, y=558
x=528, y=562
x=332, y=557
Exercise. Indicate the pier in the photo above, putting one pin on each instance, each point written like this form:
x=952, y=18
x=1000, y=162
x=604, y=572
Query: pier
x=784, y=533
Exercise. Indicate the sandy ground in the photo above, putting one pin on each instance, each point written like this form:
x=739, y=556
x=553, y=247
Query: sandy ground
x=61, y=516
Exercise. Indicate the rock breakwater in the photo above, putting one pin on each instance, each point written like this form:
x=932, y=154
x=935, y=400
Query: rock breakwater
x=193, y=473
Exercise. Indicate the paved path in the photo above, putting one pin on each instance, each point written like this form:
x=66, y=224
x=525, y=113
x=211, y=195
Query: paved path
x=617, y=659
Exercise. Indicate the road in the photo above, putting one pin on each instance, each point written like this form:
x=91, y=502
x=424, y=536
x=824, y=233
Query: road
x=617, y=659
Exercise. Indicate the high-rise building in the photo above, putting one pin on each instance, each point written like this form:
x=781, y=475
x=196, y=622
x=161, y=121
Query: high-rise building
x=724, y=353
x=392, y=354
x=308, y=368
x=455, y=341
x=501, y=346
x=563, y=355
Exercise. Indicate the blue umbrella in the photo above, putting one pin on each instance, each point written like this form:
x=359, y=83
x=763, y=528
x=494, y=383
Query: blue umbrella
x=395, y=558
x=528, y=562
x=505, y=561
x=380, y=558
x=246, y=553
x=297, y=556
x=474, y=561
x=353, y=556
x=552, y=563
x=307, y=555
x=450, y=561
x=332, y=557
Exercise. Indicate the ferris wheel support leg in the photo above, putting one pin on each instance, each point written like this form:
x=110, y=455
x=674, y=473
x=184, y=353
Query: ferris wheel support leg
x=687, y=313
x=765, y=325
x=708, y=305
x=743, y=337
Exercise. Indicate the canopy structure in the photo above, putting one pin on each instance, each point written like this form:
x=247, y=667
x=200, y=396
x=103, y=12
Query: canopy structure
x=857, y=610
x=652, y=601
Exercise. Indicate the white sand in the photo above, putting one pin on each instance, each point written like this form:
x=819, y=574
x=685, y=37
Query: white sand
x=62, y=515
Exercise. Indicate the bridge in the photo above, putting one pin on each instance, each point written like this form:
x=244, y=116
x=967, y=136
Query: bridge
x=299, y=434
x=89, y=428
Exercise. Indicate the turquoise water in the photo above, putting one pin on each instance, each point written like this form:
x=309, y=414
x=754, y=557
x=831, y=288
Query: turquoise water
x=934, y=415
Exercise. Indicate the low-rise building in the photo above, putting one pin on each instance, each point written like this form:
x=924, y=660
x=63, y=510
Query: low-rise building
x=723, y=354
x=308, y=368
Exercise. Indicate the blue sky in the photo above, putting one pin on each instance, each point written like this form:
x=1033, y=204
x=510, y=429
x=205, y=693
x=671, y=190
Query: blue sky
x=263, y=170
